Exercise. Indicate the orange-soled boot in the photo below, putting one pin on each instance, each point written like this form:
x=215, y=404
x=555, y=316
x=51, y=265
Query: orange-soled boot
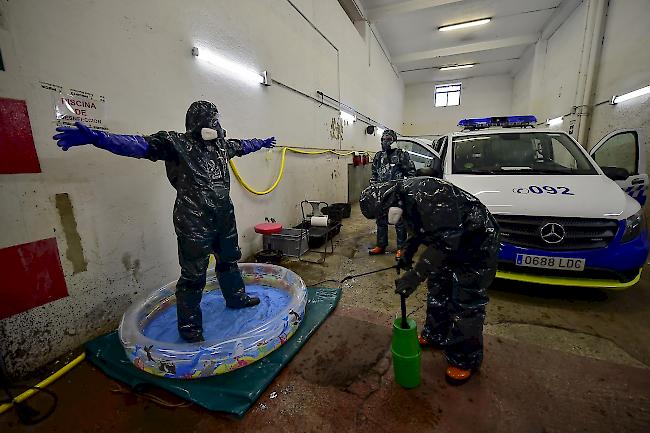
x=426, y=343
x=376, y=251
x=457, y=376
x=398, y=254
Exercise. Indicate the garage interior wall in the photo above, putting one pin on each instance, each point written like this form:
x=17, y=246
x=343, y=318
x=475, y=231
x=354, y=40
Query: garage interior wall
x=137, y=55
x=624, y=66
x=480, y=97
x=553, y=66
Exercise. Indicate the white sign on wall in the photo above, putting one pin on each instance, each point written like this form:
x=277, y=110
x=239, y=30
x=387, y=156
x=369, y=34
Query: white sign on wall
x=72, y=106
x=70, y=109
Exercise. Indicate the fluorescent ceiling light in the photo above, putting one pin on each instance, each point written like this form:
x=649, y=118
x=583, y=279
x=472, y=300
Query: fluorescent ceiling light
x=348, y=117
x=465, y=25
x=451, y=68
x=226, y=65
x=554, y=121
x=622, y=98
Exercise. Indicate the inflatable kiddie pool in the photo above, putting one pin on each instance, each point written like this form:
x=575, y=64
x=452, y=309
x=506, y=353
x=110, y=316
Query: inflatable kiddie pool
x=233, y=338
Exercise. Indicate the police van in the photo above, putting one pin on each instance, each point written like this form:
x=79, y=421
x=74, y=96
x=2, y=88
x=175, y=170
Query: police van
x=567, y=217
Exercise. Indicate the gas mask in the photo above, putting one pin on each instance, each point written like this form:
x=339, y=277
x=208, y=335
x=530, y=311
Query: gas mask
x=387, y=139
x=212, y=134
x=394, y=215
x=216, y=131
x=386, y=142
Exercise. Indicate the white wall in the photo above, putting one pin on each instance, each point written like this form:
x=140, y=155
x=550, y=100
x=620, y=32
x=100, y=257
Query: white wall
x=562, y=59
x=545, y=83
x=137, y=54
x=480, y=97
x=624, y=66
x=521, y=83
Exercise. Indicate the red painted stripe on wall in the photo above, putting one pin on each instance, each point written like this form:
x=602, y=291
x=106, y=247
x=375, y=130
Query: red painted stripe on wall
x=30, y=276
x=17, y=150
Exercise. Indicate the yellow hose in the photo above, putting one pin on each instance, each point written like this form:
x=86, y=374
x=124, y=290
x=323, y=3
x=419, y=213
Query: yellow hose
x=42, y=384
x=281, y=172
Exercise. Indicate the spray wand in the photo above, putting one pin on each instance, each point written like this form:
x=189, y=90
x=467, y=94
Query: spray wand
x=405, y=324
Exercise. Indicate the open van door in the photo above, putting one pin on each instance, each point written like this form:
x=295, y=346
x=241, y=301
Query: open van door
x=624, y=149
x=420, y=151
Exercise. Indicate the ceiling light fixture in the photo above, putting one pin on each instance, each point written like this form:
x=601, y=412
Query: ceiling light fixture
x=627, y=96
x=453, y=67
x=348, y=117
x=464, y=25
x=233, y=68
x=555, y=121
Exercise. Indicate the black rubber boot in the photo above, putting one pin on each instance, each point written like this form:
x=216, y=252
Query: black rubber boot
x=233, y=289
x=243, y=302
x=192, y=337
x=188, y=309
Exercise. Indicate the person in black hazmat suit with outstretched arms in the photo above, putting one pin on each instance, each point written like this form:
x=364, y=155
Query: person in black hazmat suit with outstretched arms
x=204, y=218
x=459, y=263
x=390, y=164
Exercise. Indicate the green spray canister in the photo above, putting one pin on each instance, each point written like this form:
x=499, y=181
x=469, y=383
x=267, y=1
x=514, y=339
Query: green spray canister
x=406, y=349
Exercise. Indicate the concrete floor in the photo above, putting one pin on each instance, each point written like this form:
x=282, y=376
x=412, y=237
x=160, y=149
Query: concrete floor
x=606, y=325
x=556, y=360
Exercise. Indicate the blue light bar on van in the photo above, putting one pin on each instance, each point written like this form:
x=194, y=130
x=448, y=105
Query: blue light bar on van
x=505, y=122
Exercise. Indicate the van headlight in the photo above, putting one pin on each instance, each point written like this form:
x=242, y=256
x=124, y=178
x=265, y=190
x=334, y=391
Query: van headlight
x=633, y=226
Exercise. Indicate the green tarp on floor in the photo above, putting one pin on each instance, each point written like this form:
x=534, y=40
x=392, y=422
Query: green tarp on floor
x=234, y=392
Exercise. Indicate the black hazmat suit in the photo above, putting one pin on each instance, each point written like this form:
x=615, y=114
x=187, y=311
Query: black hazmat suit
x=387, y=165
x=462, y=244
x=204, y=217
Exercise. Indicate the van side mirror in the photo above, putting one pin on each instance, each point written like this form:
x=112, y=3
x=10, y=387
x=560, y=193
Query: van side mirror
x=615, y=173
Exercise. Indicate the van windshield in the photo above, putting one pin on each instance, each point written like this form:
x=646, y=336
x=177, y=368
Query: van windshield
x=519, y=153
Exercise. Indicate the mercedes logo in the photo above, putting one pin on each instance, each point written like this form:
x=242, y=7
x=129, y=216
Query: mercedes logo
x=552, y=233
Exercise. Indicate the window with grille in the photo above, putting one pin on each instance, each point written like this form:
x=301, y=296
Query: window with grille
x=447, y=95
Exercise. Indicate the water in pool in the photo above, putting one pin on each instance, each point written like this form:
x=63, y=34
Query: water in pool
x=219, y=322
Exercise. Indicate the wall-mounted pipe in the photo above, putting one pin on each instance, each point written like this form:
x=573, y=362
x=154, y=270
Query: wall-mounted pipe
x=301, y=93
x=589, y=63
x=360, y=116
x=598, y=36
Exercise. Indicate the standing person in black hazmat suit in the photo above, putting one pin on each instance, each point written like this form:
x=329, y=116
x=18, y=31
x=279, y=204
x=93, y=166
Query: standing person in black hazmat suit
x=204, y=217
x=390, y=164
x=460, y=261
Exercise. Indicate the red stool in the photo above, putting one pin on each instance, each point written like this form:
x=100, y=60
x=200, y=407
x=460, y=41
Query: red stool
x=268, y=255
x=268, y=228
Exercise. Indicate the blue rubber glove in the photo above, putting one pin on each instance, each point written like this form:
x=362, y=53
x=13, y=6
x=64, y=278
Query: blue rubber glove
x=78, y=135
x=254, y=144
x=134, y=146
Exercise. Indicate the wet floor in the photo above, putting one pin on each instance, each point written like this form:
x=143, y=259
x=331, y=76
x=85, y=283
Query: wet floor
x=556, y=360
